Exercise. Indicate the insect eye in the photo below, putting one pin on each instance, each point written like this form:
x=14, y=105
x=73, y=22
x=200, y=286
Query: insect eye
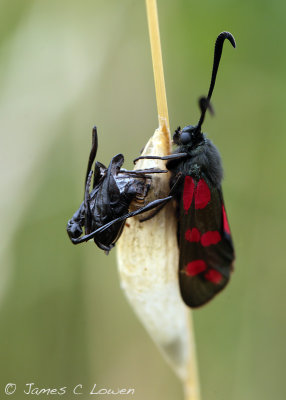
x=185, y=137
x=74, y=230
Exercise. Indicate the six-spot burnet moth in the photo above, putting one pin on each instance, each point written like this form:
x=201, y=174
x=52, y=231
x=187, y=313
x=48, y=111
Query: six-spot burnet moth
x=205, y=244
x=106, y=206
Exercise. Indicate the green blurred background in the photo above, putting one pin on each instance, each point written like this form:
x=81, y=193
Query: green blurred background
x=67, y=65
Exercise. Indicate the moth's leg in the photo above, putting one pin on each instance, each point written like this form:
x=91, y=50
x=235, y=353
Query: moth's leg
x=175, y=156
x=153, y=213
x=150, y=206
x=140, y=172
x=172, y=191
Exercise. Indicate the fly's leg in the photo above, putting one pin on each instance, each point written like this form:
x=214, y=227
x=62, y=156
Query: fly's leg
x=150, y=206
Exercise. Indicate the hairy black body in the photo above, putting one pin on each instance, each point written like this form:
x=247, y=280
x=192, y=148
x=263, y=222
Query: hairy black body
x=205, y=245
x=203, y=160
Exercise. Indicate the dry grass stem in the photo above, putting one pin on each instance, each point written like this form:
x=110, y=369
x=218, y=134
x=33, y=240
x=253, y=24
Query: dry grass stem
x=158, y=71
x=148, y=252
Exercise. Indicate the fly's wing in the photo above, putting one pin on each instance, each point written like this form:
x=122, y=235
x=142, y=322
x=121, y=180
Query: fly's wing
x=206, y=248
x=107, y=205
x=108, y=194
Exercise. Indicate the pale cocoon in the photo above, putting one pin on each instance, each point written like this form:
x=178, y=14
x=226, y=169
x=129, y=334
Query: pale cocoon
x=148, y=267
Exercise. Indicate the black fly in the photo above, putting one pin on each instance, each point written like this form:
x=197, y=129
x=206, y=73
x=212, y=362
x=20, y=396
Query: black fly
x=105, y=208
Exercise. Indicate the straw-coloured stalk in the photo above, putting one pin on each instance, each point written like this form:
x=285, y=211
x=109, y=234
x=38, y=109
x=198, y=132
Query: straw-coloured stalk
x=148, y=252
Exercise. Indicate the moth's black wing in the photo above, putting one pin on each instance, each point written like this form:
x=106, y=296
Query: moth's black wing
x=205, y=244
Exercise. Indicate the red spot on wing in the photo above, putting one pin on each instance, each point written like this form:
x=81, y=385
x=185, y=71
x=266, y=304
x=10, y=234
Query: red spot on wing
x=195, y=267
x=213, y=276
x=193, y=235
x=189, y=187
x=225, y=221
x=202, y=195
x=209, y=238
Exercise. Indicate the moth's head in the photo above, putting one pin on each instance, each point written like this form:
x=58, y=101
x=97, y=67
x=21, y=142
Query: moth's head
x=190, y=136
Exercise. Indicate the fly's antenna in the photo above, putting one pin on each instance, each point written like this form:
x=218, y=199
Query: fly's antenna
x=217, y=56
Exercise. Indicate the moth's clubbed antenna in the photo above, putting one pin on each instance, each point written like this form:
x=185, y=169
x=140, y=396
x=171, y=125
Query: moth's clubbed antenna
x=205, y=105
x=217, y=56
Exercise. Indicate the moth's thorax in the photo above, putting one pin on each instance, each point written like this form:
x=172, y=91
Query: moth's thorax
x=203, y=161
